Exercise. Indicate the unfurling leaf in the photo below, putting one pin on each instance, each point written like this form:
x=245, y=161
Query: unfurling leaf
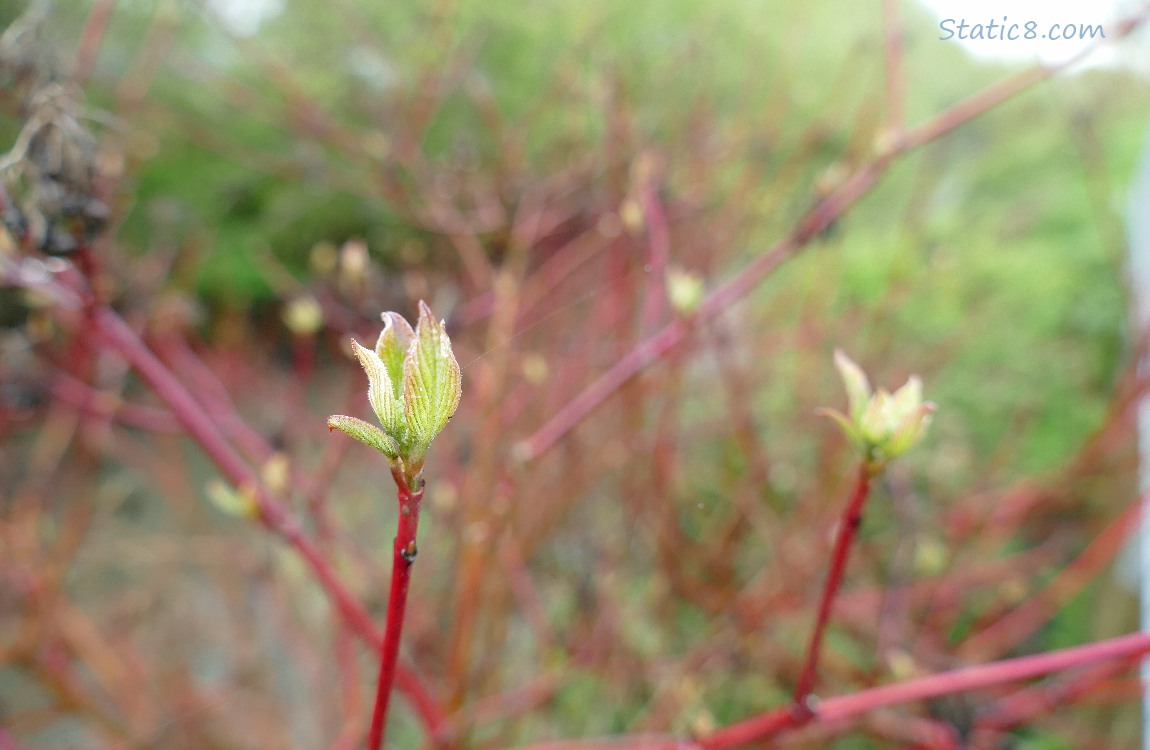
x=392, y=346
x=364, y=432
x=855, y=380
x=381, y=393
x=432, y=381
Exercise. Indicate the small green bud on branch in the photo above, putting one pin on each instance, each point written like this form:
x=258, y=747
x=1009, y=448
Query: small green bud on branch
x=684, y=290
x=882, y=424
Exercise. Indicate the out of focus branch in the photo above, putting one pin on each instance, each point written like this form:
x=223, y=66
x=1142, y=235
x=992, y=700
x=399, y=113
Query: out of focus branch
x=816, y=220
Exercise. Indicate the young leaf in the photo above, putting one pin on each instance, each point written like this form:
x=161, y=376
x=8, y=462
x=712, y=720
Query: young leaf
x=432, y=380
x=364, y=432
x=857, y=385
x=381, y=393
x=392, y=346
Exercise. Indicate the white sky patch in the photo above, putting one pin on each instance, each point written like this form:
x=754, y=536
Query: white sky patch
x=243, y=17
x=1047, y=22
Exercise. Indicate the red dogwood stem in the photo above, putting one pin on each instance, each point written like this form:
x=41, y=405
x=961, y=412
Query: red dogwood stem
x=844, y=538
x=1127, y=647
x=275, y=516
x=403, y=558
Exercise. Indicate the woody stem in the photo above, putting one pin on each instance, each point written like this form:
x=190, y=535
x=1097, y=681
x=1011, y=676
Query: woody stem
x=844, y=538
x=403, y=558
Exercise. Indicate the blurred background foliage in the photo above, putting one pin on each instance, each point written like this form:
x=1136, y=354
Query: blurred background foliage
x=1019, y=239
x=990, y=261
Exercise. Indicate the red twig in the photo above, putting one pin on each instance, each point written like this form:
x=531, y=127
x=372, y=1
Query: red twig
x=272, y=514
x=1127, y=647
x=1036, y=700
x=212, y=396
x=658, y=244
x=82, y=396
x=893, y=45
x=91, y=38
x=1020, y=623
x=844, y=538
x=809, y=226
x=402, y=559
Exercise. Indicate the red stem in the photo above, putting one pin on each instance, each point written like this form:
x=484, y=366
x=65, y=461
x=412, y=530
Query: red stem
x=1127, y=647
x=848, y=529
x=277, y=518
x=90, y=40
x=1015, y=626
x=659, y=249
x=978, y=677
x=893, y=48
x=78, y=394
x=1035, y=700
x=818, y=218
x=403, y=558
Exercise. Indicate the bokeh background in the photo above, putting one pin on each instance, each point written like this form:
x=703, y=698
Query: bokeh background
x=561, y=182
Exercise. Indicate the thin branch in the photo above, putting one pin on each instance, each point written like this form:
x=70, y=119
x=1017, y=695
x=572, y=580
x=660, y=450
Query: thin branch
x=893, y=48
x=1028, y=617
x=807, y=228
x=402, y=559
x=1127, y=647
x=848, y=528
x=91, y=39
x=271, y=513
